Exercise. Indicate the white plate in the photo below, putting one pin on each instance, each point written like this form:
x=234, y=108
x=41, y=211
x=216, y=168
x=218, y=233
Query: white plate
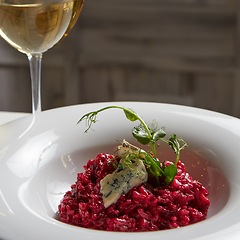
x=41, y=155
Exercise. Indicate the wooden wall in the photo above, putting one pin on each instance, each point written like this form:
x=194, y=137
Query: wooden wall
x=175, y=51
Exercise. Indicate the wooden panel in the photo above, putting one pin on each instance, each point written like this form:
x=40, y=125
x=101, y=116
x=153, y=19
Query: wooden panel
x=176, y=51
x=95, y=85
x=236, y=95
x=150, y=35
x=71, y=84
x=133, y=84
x=15, y=90
x=214, y=92
x=52, y=87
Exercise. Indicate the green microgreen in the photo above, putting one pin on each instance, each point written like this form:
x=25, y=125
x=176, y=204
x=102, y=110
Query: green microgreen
x=113, y=162
x=127, y=160
x=146, y=135
x=175, y=143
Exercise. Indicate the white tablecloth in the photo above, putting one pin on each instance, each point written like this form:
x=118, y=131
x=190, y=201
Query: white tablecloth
x=10, y=116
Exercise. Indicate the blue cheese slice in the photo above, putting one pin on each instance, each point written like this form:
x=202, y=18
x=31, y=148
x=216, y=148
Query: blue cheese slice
x=122, y=180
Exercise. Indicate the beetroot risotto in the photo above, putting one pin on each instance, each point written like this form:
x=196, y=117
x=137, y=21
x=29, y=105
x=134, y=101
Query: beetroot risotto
x=143, y=208
x=133, y=191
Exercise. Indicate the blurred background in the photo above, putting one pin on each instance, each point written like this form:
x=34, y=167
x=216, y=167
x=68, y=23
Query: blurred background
x=173, y=51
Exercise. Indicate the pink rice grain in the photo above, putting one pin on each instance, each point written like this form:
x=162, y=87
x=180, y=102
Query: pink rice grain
x=143, y=208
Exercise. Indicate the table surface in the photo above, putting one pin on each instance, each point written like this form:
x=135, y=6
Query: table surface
x=10, y=116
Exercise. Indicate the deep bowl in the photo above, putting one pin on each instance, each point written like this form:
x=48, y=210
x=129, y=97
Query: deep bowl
x=40, y=156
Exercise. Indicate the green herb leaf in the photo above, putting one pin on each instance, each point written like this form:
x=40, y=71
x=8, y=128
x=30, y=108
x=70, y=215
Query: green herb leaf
x=130, y=115
x=141, y=135
x=163, y=165
x=174, y=144
x=170, y=172
x=160, y=133
x=155, y=166
x=159, y=164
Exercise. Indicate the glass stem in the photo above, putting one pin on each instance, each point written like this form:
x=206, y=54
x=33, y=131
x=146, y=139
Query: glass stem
x=35, y=61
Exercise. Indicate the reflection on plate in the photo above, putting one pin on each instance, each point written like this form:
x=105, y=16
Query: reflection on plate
x=41, y=155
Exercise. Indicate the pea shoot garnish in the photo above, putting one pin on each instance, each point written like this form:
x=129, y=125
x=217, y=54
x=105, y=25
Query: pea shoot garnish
x=147, y=135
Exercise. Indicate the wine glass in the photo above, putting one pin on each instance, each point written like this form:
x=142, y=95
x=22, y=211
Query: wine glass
x=34, y=26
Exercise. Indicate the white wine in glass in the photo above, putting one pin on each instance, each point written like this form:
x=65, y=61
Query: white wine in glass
x=34, y=26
